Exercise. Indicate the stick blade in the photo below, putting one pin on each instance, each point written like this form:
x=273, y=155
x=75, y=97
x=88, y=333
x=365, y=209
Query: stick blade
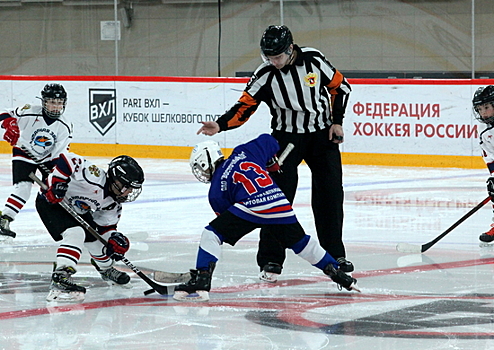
x=408, y=248
x=171, y=277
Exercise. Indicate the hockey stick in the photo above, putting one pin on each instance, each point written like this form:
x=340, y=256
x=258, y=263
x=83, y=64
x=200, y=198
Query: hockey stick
x=412, y=248
x=160, y=289
x=285, y=153
x=165, y=277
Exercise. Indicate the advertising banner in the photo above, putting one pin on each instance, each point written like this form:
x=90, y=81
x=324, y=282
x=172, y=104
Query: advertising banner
x=383, y=116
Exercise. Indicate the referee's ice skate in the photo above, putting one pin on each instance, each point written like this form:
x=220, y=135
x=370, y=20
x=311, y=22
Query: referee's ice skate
x=270, y=272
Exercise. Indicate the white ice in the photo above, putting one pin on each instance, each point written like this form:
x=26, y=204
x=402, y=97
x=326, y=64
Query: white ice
x=442, y=299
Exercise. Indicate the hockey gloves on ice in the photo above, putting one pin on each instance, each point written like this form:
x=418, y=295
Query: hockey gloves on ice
x=117, y=246
x=55, y=193
x=12, y=132
x=490, y=187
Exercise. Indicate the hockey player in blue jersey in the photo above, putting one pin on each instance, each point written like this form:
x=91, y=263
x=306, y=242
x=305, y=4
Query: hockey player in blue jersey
x=244, y=197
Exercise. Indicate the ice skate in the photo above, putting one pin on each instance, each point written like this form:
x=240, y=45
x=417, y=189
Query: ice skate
x=345, y=265
x=487, y=237
x=113, y=277
x=198, y=287
x=5, y=232
x=270, y=272
x=341, y=278
x=62, y=289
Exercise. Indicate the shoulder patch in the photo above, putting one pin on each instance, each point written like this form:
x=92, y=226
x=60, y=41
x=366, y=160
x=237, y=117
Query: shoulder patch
x=94, y=170
x=310, y=79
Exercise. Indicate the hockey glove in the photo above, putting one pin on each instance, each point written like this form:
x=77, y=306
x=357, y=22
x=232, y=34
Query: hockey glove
x=117, y=246
x=12, y=132
x=272, y=166
x=55, y=193
x=490, y=187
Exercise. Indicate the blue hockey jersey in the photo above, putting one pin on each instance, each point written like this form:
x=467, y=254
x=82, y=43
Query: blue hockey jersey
x=242, y=185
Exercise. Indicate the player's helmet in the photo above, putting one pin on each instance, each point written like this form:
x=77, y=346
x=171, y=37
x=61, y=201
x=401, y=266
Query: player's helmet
x=276, y=40
x=482, y=96
x=125, y=174
x=53, y=91
x=203, y=160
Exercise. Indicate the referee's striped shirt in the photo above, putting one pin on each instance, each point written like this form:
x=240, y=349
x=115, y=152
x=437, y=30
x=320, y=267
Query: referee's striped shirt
x=297, y=95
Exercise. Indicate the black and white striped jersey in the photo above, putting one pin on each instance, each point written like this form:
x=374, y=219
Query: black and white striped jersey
x=304, y=97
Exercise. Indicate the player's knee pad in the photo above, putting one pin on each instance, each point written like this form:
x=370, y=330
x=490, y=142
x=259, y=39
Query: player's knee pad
x=211, y=242
x=23, y=190
x=70, y=249
x=75, y=236
x=97, y=250
x=309, y=249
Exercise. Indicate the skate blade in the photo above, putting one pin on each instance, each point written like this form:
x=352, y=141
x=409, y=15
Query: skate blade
x=268, y=277
x=123, y=286
x=200, y=295
x=486, y=245
x=6, y=240
x=352, y=287
x=64, y=297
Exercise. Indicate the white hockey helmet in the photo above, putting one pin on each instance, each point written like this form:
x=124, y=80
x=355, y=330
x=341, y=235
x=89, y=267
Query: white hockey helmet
x=203, y=160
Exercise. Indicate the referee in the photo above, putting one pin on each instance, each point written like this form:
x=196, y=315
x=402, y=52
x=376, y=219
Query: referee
x=307, y=98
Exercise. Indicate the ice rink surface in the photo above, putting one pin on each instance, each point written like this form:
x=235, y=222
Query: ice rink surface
x=442, y=299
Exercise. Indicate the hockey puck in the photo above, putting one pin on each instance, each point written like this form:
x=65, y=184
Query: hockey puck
x=338, y=138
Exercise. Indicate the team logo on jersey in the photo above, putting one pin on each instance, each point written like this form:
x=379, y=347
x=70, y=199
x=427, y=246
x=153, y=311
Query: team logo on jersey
x=43, y=141
x=84, y=207
x=103, y=109
x=310, y=79
x=93, y=169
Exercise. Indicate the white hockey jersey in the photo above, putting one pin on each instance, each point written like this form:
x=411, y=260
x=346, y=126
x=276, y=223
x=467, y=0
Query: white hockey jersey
x=44, y=137
x=487, y=146
x=87, y=190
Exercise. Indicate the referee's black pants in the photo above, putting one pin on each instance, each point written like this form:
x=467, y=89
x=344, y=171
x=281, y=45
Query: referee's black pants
x=324, y=160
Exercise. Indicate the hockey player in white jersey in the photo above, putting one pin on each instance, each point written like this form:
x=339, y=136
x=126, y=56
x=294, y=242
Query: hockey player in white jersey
x=483, y=107
x=245, y=197
x=45, y=132
x=97, y=196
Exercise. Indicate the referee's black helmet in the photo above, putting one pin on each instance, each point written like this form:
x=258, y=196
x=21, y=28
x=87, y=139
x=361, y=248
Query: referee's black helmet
x=276, y=40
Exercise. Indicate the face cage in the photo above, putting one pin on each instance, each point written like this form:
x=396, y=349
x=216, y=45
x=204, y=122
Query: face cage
x=200, y=174
x=51, y=114
x=132, y=196
x=477, y=115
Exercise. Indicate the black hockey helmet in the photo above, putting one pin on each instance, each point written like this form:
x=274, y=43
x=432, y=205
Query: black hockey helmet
x=124, y=173
x=482, y=96
x=276, y=40
x=53, y=91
